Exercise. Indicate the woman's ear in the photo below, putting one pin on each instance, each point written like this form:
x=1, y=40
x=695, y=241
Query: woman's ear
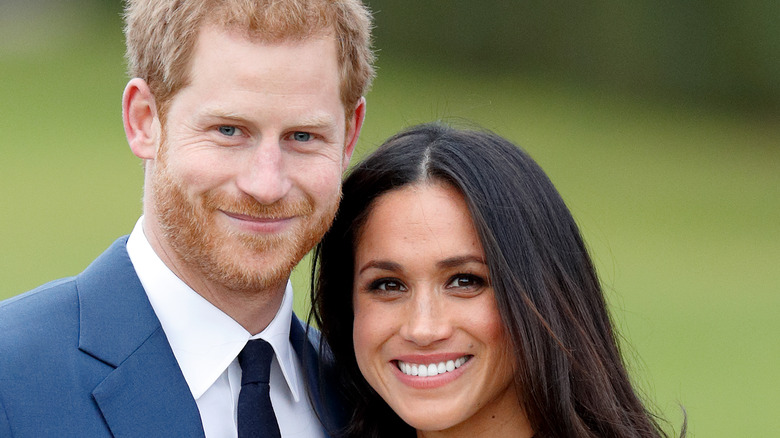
x=139, y=114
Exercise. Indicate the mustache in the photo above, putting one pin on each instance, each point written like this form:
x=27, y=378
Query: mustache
x=248, y=206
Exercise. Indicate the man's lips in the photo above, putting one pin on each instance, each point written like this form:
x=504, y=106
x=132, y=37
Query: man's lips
x=246, y=217
x=263, y=224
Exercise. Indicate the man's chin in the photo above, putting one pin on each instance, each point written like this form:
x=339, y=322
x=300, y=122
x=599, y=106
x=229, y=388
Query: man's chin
x=247, y=281
x=251, y=271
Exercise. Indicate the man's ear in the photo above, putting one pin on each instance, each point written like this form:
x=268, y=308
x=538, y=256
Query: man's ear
x=139, y=114
x=353, y=131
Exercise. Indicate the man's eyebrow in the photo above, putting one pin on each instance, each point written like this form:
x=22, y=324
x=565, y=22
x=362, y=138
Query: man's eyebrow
x=222, y=114
x=316, y=121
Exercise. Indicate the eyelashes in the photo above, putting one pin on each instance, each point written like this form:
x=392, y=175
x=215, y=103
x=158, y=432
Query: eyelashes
x=387, y=285
x=461, y=283
x=466, y=281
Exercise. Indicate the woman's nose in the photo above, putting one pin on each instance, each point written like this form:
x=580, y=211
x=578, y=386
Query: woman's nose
x=426, y=320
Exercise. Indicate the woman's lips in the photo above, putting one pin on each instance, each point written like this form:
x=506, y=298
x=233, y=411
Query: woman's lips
x=431, y=368
x=427, y=372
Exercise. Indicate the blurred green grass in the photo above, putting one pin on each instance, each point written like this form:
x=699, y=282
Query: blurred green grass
x=679, y=203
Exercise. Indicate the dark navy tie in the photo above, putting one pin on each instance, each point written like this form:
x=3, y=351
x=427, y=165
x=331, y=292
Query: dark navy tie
x=256, y=416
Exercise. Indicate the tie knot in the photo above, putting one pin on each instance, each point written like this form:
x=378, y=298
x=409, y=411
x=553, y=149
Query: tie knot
x=255, y=361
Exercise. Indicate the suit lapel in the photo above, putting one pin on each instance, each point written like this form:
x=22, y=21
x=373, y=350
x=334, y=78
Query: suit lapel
x=321, y=379
x=146, y=394
x=143, y=398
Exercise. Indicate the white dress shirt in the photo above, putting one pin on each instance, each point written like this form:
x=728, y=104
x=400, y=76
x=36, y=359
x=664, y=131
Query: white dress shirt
x=206, y=343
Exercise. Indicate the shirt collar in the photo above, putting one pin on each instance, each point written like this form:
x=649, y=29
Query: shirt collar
x=204, y=339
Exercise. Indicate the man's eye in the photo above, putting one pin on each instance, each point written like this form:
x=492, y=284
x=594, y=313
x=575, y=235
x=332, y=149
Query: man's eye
x=228, y=130
x=301, y=136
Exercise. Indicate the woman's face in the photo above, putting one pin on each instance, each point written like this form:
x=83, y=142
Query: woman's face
x=427, y=333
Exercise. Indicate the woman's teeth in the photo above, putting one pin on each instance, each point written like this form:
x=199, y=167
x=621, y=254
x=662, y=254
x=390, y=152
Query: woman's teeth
x=433, y=369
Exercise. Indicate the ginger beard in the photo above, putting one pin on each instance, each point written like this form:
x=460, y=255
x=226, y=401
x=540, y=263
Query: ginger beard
x=238, y=261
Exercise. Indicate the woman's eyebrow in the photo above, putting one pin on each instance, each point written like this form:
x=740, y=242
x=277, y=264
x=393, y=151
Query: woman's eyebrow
x=381, y=264
x=460, y=260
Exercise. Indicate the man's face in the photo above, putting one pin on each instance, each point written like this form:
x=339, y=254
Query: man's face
x=248, y=175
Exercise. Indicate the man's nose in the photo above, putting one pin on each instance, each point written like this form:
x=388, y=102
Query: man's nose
x=264, y=175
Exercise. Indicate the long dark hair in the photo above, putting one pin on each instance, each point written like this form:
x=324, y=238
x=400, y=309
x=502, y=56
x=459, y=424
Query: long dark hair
x=570, y=379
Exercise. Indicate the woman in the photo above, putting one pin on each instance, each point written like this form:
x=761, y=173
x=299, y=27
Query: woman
x=458, y=298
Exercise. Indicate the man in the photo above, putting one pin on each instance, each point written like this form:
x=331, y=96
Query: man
x=245, y=114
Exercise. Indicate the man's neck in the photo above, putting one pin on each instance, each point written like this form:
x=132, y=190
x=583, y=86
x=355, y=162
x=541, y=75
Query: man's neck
x=254, y=310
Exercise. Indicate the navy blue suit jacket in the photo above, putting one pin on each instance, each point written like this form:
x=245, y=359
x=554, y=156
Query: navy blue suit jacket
x=86, y=357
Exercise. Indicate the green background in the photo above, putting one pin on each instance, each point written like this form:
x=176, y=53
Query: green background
x=674, y=178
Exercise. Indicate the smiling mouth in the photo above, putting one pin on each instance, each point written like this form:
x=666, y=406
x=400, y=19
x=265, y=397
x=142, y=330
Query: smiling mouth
x=432, y=369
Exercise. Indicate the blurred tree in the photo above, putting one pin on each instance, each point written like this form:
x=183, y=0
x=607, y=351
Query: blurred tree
x=724, y=51
x=718, y=50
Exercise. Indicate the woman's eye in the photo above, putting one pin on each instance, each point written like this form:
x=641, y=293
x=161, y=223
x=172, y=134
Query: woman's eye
x=387, y=285
x=466, y=281
x=228, y=130
x=301, y=136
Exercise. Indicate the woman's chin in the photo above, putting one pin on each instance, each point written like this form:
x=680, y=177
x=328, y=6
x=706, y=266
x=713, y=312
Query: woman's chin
x=429, y=420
